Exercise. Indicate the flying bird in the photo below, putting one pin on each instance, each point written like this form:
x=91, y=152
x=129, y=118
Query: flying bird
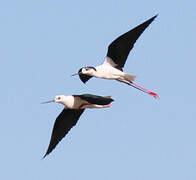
x=74, y=106
x=112, y=66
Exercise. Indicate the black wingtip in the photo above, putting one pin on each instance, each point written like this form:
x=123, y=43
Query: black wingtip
x=151, y=19
x=155, y=16
x=50, y=149
x=45, y=155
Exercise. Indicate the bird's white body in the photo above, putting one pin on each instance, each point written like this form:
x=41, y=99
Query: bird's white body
x=107, y=70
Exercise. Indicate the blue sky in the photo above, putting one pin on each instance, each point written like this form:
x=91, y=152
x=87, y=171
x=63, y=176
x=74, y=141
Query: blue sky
x=43, y=42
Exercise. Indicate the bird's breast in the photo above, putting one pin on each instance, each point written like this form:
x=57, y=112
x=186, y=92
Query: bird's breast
x=108, y=72
x=72, y=102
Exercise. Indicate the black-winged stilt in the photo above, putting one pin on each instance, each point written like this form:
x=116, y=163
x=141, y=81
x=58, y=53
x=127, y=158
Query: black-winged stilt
x=117, y=54
x=74, y=106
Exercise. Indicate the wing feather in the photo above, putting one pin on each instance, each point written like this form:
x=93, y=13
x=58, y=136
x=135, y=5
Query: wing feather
x=119, y=49
x=94, y=99
x=64, y=122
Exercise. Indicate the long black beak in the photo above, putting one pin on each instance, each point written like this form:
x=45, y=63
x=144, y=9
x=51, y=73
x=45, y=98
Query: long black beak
x=75, y=74
x=47, y=102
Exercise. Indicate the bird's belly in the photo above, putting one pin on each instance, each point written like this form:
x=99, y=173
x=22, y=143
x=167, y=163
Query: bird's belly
x=109, y=73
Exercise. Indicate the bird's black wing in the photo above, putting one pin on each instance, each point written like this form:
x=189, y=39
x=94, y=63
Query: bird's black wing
x=119, y=49
x=64, y=122
x=93, y=99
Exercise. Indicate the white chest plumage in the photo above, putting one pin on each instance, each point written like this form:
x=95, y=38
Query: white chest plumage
x=108, y=72
x=72, y=102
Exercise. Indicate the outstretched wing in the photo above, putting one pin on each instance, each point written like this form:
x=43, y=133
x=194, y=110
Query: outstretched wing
x=119, y=49
x=93, y=99
x=64, y=122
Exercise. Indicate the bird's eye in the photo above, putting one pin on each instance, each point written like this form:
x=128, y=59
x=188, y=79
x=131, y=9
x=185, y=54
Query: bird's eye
x=59, y=98
x=86, y=69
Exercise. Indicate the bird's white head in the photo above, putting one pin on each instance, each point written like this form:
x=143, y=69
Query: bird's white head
x=85, y=73
x=60, y=99
x=90, y=71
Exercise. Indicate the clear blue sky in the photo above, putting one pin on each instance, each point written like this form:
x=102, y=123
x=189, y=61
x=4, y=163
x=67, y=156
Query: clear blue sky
x=43, y=42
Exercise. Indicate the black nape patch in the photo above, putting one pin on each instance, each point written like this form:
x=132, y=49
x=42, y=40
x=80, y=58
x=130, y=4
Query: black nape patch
x=83, y=77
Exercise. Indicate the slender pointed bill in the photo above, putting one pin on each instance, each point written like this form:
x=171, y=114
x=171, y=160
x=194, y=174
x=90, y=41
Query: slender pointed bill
x=47, y=102
x=75, y=74
x=144, y=90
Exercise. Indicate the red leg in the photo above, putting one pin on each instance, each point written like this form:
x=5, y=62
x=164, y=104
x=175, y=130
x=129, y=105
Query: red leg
x=130, y=83
x=144, y=90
